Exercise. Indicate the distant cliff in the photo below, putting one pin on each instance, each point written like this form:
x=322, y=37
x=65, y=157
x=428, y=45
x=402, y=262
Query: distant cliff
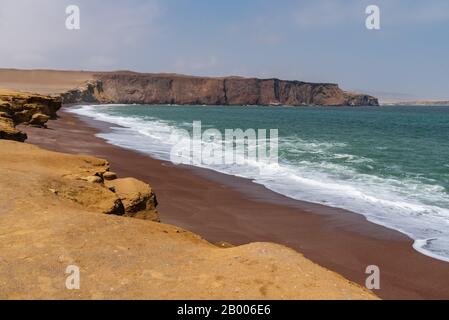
x=130, y=87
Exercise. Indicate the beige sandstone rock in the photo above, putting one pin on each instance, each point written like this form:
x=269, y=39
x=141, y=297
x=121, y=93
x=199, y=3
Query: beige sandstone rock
x=109, y=175
x=39, y=119
x=94, y=179
x=9, y=132
x=27, y=108
x=91, y=196
x=137, y=197
x=129, y=197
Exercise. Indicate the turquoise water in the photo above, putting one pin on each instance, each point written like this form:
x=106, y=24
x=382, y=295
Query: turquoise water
x=390, y=164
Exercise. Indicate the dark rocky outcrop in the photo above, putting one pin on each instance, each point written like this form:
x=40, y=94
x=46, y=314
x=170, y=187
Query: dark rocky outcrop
x=91, y=92
x=129, y=87
x=24, y=108
x=39, y=120
x=8, y=130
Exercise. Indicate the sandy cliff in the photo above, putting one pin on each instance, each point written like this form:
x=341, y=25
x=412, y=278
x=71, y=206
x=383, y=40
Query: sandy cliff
x=24, y=108
x=53, y=215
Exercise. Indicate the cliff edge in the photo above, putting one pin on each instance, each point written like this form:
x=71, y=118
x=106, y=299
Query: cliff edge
x=24, y=108
x=129, y=87
x=159, y=88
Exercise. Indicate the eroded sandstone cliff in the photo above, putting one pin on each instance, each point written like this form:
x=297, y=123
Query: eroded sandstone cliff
x=130, y=87
x=24, y=108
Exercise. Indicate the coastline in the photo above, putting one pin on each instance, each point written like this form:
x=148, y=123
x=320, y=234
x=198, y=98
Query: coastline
x=235, y=210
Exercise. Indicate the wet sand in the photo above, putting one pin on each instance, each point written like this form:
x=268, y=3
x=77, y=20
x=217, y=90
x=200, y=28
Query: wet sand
x=235, y=210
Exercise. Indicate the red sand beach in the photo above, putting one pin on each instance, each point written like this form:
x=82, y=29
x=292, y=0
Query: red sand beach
x=235, y=210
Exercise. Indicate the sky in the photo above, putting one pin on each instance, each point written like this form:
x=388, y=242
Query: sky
x=308, y=40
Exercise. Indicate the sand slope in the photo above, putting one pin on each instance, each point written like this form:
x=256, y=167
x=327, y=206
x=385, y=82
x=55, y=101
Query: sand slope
x=43, y=81
x=41, y=233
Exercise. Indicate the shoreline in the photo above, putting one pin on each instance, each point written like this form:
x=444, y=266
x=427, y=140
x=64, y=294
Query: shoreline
x=226, y=208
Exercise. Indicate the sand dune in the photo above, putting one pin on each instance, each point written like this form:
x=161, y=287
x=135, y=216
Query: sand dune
x=42, y=81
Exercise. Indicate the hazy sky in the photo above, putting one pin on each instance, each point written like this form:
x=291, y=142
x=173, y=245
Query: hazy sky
x=310, y=40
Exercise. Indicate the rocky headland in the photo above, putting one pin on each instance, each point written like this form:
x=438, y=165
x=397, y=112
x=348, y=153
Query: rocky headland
x=159, y=88
x=130, y=87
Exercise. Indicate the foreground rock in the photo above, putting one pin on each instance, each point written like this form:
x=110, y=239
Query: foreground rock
x=50, y=218
x=27, y=108
x=39, y=119
x=86, y=186
x=8, y=130
x=138, y=198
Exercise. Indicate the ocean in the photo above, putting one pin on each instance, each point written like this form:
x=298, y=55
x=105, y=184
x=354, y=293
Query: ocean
x=390, y=164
